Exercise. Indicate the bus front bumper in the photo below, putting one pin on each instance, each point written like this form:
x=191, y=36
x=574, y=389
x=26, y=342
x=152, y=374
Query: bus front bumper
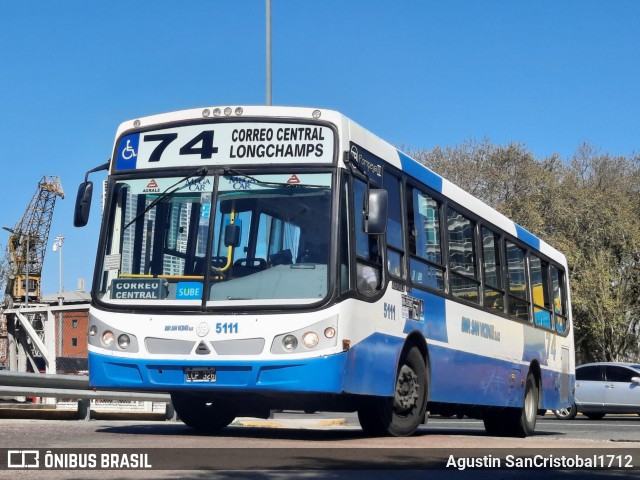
x=320, y=374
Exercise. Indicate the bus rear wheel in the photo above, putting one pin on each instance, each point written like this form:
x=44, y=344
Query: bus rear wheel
x=515, y=422
x=401, y=415
x=201, y=414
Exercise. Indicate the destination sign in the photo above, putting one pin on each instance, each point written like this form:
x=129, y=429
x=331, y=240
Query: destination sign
x=139, y=289
x=225, y=144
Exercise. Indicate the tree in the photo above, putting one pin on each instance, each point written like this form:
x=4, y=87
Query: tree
x=602, y=229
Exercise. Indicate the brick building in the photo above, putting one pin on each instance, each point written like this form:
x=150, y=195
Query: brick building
x=71, y=333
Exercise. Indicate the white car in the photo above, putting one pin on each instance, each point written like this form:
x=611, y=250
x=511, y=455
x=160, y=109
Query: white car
x=604, y=387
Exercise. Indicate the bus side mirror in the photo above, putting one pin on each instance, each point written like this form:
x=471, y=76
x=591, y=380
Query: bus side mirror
x=375, y=214
x=232, y=235
x=83, y=204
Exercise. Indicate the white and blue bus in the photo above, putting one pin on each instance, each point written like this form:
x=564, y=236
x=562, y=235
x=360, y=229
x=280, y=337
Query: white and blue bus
x=261, y=258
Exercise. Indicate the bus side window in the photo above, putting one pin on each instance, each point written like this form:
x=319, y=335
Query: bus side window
x=540, y=291
x=557, y=285
x=518, y=301
x=395, y=248
x=368, y=260
x=426, y=262
x=492, y=270
x=463, y=278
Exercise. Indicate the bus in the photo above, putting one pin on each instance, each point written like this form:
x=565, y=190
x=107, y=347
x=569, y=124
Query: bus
x=259, y=258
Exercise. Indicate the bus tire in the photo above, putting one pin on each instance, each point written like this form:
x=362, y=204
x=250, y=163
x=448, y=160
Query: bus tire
x=199, y=413
x=515, y=422
x=401, y=415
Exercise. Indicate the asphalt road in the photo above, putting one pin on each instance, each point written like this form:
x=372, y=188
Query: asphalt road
x=319, y=446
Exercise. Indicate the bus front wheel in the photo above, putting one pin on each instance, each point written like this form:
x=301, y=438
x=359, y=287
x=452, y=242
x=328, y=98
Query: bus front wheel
x=401, y=415
x=201, y=414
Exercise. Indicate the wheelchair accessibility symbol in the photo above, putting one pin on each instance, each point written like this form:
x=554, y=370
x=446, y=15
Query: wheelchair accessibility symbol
x=128, y=153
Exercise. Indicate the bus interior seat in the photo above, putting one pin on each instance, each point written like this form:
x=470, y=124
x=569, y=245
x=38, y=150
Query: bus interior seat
x=247, y=266
x=283, y=257
x=218, y=262
x=198, y=264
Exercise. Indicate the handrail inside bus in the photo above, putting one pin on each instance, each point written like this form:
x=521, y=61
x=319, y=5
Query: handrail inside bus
x=232, y=221
x=168, y=277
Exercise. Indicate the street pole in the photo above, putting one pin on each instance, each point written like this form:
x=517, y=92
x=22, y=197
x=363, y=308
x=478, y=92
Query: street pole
x=268, y=42
x=59, y=240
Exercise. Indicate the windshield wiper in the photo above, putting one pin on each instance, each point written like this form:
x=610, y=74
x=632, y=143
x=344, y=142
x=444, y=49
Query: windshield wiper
x=168, y=192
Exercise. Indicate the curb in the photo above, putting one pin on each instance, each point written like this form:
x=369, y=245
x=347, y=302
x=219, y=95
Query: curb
x=42, y=413
x=54, y=414
x=289, y=423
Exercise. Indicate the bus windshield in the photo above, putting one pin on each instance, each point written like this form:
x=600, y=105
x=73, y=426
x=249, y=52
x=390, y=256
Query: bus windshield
x=269, y=240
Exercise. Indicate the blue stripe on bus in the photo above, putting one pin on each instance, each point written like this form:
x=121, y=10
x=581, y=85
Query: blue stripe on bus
x=434, y=326
x=420, y=172
x=461, y=377
x=372, y=365
x=528, y=237
x=456, y=376
x=321, y=374
x=466, y=378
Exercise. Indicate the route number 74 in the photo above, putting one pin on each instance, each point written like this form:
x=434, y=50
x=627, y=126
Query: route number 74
x=201, y=144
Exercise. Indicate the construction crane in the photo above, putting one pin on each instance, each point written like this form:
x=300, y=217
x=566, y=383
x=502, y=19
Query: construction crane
x=27, y=245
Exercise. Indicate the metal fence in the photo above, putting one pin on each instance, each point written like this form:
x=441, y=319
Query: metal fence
x=74, y=387
x=44, y=349
x=45, y=339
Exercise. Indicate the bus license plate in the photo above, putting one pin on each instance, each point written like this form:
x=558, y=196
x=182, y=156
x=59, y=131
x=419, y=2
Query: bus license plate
x=203, y=374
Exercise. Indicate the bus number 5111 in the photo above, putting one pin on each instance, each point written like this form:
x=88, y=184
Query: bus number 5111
x=389, y=311
x=226, y=328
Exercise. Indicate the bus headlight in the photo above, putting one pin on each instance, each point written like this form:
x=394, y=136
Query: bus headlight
x=124, y=341
x=320, y=335
x=289, y=343
x=108, y=338
x=93, y=330
x=310, y=339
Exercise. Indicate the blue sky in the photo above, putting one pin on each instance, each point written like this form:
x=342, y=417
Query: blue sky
x=419, y=73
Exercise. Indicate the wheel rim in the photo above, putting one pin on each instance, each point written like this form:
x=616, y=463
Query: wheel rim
x=407, y=390
x=530, y=408
x=563, y=412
